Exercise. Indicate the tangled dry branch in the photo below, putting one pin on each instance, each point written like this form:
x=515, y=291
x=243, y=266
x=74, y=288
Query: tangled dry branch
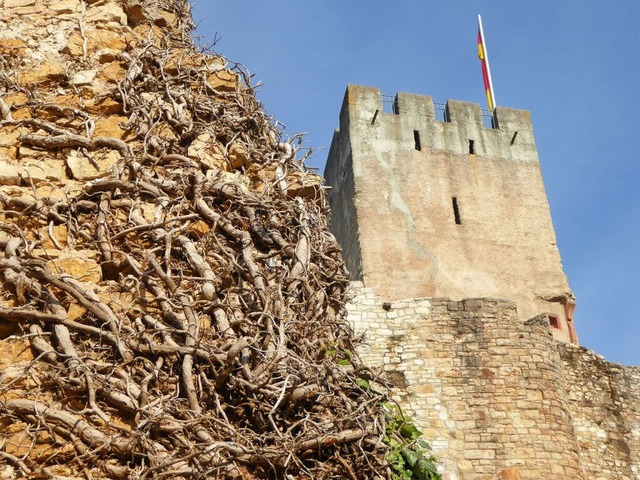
x=214, y=344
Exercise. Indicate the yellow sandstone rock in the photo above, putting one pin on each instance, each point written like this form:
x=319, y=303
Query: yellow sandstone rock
x=97, y=40
x=111, y=12
x=103, y=106
x=10, y=47
x=61, y=7
x=110, y=127
x=85, y=169
x=79, y=265
x=209, y=152
x=18, y=3
x=59, y=233
x=238, y=155
x=223, y=81
x=112, y=73
x=45, y=72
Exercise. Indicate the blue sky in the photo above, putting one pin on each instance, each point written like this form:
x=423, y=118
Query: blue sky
x=574, y=65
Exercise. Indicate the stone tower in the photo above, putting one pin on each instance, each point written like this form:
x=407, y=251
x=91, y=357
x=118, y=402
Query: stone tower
x=459, y=292
x=445, y=207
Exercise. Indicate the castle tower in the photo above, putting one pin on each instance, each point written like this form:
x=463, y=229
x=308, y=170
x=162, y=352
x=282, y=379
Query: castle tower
x=445, y=207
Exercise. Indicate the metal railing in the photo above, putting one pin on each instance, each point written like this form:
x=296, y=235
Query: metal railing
x=440, y=110
x=489, y=119
x=390, y=105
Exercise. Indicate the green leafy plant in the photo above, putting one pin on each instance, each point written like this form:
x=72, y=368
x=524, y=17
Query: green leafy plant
x=409, y=456
x=343, y=356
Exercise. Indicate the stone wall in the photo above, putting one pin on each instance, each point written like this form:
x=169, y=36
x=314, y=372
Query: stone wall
x=604, y=403
x=498, y=398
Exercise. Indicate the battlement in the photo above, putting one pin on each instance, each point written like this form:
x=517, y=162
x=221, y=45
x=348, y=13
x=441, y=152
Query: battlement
x=460, y=130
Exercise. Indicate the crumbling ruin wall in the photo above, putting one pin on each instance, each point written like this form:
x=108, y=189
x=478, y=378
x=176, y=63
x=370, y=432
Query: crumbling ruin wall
x=499, y=398
x=171, y=300
x=604, y=403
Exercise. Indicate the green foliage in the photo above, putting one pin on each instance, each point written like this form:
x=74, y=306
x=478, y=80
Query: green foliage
x=409, y=456
x=343, y=356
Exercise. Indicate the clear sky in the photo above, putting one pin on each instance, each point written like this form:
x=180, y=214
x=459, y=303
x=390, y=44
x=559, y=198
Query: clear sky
x=574, y=64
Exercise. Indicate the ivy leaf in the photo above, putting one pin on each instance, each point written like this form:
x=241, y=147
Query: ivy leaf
x=410, y=431
x=422, y=444
x=362, y=383
x=425, y=469
x=410, y=456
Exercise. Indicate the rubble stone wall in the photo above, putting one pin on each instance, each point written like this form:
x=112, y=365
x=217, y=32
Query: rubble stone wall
x=604, y=403
x=498, y=398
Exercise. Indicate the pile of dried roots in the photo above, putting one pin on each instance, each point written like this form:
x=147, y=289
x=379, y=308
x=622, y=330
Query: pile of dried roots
x=214, y=343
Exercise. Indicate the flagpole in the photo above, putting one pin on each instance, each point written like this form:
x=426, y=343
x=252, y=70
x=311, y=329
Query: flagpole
x=486, y=56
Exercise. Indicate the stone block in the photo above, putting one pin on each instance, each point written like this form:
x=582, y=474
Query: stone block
x=455, y=306
x=199, y=228
x=84, y=77
x=300, y=184
x=111, y=127
x=18, y=3
x=136, y=11
x=97, y=40
x=211, y=153
x=47, y=71
x=104, y=106
x=479, y=454
x=238, y=155
x=65, y=6
x=59, y=233
x=79, y=264
x=108, y=13
x=473, y=305
x=9, y=173
x=223, y=81
x=12, y=47
x=112, y=73
x=41, y=168
x=165, y=19
x=100, y=165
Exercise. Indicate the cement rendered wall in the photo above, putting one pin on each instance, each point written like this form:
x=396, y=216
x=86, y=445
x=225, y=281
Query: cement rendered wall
x=392, y=206
x=499, y=399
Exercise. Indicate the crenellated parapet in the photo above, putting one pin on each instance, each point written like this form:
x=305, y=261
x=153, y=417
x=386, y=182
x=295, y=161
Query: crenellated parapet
x=456, y=127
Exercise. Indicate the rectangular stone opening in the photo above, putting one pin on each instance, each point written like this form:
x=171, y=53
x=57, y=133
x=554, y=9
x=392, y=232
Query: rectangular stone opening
x=416, y=140
x=553, y=321
x=456, y=210
x=472, y=147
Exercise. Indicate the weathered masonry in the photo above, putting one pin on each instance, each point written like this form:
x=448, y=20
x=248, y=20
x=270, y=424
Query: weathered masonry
x=498, y=398
x=426, y=208
x=459, y=289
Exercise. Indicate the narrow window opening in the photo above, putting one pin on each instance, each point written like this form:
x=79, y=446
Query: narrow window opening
x=472, y=147
x=553, y=321
x=456, y=210
x=416, y=139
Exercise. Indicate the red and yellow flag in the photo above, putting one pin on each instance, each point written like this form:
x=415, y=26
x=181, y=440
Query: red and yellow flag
x=485, y=70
